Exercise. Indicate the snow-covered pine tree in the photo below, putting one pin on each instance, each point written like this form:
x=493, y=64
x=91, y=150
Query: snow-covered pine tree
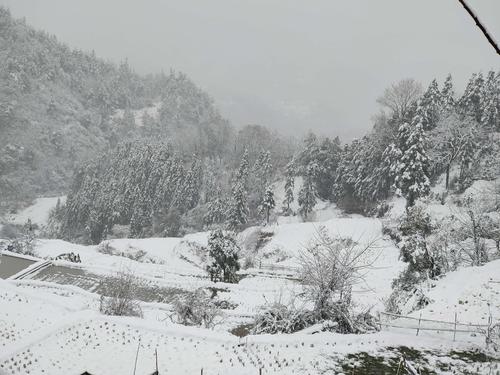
x=448, y=95
x=469, y=150
x=192, y=185
x=327, y=159
x=470, y=102
x=216, y=213
x=490, y=105
x=238, y=207
x=308, y=154
x=429, y=106
x=412, y=170
x=223, y=251
x=307, y=194
x=391, y=157
x=268, y=203
x=289, y=186
x=261, y=174
x=263, y=168
x=211, y=181
x=242, y=173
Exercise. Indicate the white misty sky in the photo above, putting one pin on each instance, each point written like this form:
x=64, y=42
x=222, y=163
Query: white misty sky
x=290, y=64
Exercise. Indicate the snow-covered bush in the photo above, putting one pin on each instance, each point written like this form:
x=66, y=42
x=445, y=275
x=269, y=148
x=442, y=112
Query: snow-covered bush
x=119, y=295
x=131, y=252
x=417, y=220
x=24, y=242
x=197, y=309
x=414, y=231
x=223, y=252
x=281, y=318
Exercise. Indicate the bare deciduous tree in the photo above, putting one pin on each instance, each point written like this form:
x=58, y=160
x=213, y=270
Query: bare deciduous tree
x=330, y=268
x=475, y=227
x=400, y=96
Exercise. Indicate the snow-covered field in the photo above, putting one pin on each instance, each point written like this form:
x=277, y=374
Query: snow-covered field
x=47, y=327
x=38, y=212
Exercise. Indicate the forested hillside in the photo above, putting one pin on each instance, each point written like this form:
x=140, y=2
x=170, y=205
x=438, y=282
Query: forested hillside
x=60, y=106
x=153, y=154
x=157, y=189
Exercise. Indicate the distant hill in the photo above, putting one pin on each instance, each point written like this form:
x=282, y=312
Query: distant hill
x=60, y=106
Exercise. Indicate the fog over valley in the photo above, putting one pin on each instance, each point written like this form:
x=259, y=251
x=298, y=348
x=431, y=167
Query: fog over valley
x=289, y=65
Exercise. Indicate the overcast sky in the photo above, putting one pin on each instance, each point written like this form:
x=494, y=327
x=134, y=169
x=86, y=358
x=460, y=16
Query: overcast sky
x=289, y=64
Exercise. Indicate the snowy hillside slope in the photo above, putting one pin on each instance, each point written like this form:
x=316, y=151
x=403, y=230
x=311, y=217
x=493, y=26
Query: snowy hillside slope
x=471, y=292
x=178, y=266
x=38, y=212
x=323, y=210
x=108, y=345
x=176, y=261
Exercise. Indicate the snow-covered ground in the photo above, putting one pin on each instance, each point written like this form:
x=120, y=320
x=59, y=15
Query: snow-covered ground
x=38, y=212
x=56, y=330
x=43, y=322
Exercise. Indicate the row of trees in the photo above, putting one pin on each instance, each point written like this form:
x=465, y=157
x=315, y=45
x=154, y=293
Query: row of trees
x=153, y=187
x=416, y=138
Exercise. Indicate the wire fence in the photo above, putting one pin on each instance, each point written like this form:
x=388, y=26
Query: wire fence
x=454, y=328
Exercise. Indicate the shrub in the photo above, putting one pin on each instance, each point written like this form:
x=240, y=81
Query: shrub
x=119, y=295
x=279, y=318
x=196, y=309
x=417, y=220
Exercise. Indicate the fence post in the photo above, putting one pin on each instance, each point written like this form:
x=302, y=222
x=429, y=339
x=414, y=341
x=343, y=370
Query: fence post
x=379, y=321
x=455, y=330
x=260, y=370
x=419, y=319
x=201, y=371
x=137, y=355
x=488, y=330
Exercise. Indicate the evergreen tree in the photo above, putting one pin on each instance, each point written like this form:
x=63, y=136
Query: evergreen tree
x=242, y=173
x=448, y=95
x=391, y=157
x=268, y=203
x=307, y=194
x=216, y=213
x=211, y=181
x=451, y=144
x=261, y=174
x=429, y=106
x=327, y=159
x=263, y=168
x=490, y=106
x=289, y=186
x=223, y=252
x=412, y=170
x=192, y=185
x=238, y=207
x=308, y=154
x=471, y=101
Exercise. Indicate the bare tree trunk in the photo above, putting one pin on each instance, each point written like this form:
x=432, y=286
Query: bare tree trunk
x=447, y=177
